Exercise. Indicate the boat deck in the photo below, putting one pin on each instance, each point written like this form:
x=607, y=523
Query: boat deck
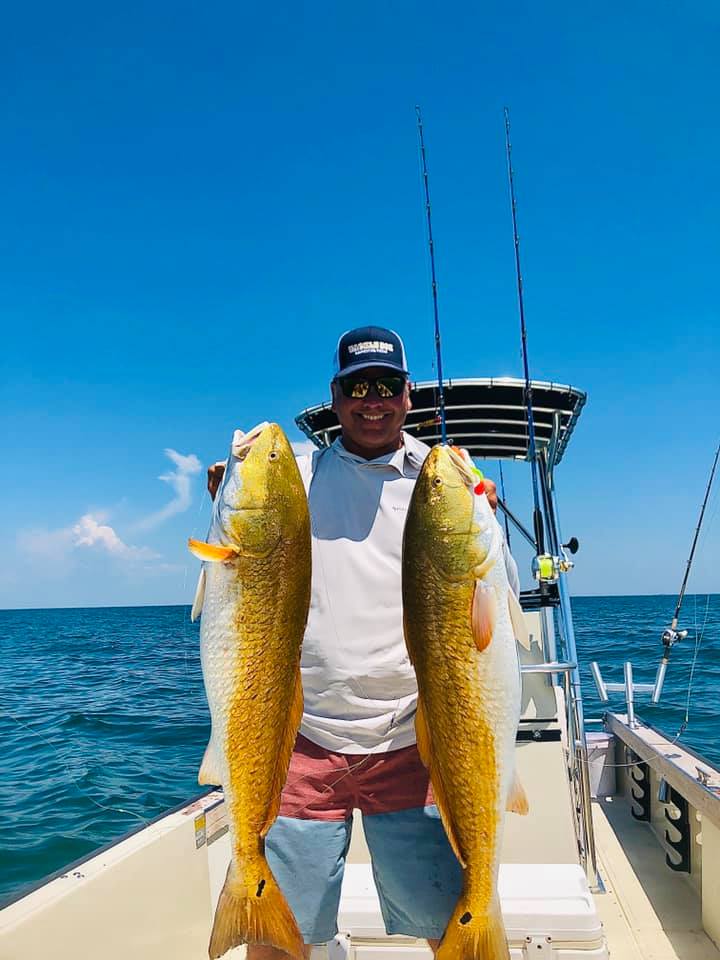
x=152, y=895
x=649, y=912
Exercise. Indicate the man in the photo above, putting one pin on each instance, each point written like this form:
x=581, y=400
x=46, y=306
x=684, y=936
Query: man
x=356, y=746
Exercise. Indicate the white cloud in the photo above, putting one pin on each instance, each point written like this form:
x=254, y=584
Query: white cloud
x=180, y=482
x=90, y=532
x=302, y=448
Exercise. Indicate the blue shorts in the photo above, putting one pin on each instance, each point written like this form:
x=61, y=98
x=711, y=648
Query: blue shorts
x=417, y=876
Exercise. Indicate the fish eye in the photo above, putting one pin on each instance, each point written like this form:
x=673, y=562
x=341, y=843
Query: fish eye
x=437, y=481
x=273, y=455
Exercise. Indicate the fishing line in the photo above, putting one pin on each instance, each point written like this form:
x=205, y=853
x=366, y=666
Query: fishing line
x=431, y=247
x=699, y=635
x=187, y=623
x=670, y=636
x=504, y=500
x=532, y=447
x=72, y=779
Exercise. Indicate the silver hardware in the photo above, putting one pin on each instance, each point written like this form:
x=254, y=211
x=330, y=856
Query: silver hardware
x=539, y=947
x=554, y=667
x=629, y=687
x=339, y=947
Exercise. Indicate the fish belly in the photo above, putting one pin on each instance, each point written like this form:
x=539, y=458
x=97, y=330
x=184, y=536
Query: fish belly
x=250, y=661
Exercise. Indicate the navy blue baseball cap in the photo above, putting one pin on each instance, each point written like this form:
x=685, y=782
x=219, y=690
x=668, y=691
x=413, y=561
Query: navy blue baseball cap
x=369, y=347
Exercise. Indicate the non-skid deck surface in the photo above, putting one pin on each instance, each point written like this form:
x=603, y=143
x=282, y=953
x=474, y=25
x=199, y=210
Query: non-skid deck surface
x=649, y=912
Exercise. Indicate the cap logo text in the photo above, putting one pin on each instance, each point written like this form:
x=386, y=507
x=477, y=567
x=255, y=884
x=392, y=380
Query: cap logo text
x=374, y=346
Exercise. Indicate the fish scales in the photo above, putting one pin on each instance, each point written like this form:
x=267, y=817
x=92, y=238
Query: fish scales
x=255, y=594
x=468, y=683
x=456, y=700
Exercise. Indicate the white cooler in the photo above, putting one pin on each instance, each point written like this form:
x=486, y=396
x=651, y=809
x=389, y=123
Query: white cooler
x=548, y=911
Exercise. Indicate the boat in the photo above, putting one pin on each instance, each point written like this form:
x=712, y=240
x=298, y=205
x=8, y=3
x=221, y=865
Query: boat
x=619, y=856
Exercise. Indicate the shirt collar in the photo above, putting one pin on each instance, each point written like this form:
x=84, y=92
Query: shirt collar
x=406, y=460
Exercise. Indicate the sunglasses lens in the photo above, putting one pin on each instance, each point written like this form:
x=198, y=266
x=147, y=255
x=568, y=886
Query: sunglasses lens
x=354, y=387
x=357, y=388
x=389, y=386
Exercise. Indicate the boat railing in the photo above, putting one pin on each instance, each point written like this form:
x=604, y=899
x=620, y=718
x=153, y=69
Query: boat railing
x=562, y=665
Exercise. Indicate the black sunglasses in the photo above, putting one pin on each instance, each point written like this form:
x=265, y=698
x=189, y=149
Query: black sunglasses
x=358, y=387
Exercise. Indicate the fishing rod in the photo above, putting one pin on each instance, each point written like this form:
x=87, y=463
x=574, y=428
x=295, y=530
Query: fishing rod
x=671, y=635
x=532, y=446
x=431, y=245
x=502, y=493
x=669, y=638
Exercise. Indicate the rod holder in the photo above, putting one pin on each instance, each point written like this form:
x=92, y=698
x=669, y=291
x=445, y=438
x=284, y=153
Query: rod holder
x=599, y=682
x=659, y=680
x=628, y=687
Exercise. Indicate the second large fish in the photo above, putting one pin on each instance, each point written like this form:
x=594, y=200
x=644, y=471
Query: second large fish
x=254, y=593
x=458, y=610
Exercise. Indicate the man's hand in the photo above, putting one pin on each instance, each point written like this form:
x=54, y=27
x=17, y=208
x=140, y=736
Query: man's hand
x=215, y=474
x=491, y=492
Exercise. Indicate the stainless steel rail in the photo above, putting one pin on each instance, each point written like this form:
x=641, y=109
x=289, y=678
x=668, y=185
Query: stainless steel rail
x=550, y=667
x=578, y=769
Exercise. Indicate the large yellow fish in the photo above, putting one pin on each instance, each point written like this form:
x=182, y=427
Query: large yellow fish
x=254, y=592
x=459, y=612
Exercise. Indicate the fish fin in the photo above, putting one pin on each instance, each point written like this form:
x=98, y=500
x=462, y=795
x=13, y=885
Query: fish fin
x=424, y=745
x=209, y=773
x=494, y=551
x=210, y=551
x=422, y=734
x=484, y=611
x=199, y=597
x=284, y=753
x=253, y=909
x=518, y=621
x=517, y=801
x=471, y=935
x=406, y=634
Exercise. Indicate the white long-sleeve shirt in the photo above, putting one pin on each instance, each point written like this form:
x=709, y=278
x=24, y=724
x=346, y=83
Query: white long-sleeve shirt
x=359, y=685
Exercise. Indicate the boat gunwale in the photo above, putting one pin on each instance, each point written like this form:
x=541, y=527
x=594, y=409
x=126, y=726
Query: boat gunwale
x=704, y=798
x=27, y=889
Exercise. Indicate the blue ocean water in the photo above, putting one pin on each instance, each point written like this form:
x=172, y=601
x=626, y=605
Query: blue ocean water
x=103, y=718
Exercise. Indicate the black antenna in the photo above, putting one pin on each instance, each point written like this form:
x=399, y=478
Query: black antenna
x=502, y=493
x=438, y=351
x=532, y=448
x=676, y=615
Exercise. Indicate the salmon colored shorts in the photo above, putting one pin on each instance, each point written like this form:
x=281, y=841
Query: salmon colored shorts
x=417, y=876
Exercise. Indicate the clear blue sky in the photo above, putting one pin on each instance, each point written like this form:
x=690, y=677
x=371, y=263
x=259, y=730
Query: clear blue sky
x=197, y=200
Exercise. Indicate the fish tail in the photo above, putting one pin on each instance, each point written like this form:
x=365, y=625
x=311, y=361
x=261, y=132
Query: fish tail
x=253, y=909
x=474, y=935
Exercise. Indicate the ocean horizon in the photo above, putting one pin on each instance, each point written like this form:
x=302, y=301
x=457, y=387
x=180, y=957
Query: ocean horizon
x=137, y=606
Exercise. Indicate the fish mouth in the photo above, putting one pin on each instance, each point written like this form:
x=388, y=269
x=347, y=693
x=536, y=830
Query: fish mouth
x=242, y=442
x=463, y=467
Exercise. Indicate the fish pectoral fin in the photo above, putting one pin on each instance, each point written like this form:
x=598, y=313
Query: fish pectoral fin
x=484, y=612
x=209, y=773
x=517, y=801
x=213, y=552
x=517, y=618
x=285, y=750
x=424, y=745
x=199, y=597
